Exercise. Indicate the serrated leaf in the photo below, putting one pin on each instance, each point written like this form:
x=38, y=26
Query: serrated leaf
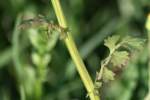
x=119, y=58
x=108, y=75
x=111, y=42
x=133, y=43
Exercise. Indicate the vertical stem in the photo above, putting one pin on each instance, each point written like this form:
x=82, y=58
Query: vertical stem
x=16, y=57
x=22, y=93
x=38, y=90
x=149, y=60
x=148, y=34
x=16, y=49
x=74, y=52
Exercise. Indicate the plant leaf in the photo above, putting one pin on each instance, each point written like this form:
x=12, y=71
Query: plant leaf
x=133, y=43
x=111, y=42
x=108, y=75
x=98, y=85
x=39, y=60
x=119, y=58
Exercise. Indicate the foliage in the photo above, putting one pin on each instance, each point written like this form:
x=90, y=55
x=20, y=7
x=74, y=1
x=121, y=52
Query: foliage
x=118, y=56
x=90, y=22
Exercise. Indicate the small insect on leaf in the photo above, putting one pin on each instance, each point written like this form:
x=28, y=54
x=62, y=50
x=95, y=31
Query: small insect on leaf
x=111, y=42
x=119, y=58
x=108, y=75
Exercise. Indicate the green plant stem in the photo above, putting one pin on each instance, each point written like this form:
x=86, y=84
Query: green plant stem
x=74, y=53
x=16, y=58
x=16, y=49
x=148, y=95
x=148, y=46
x=22, y=93
x=105, y=62
x=38, y=90
x=149, y=60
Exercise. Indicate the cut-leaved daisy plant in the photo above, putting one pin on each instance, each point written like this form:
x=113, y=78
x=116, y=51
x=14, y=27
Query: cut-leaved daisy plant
x=120, y=51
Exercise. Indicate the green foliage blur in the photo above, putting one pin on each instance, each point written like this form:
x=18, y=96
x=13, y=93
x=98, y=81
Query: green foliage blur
x=90, y=21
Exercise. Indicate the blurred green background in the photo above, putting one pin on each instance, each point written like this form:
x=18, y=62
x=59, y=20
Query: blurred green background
x=90, y=22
